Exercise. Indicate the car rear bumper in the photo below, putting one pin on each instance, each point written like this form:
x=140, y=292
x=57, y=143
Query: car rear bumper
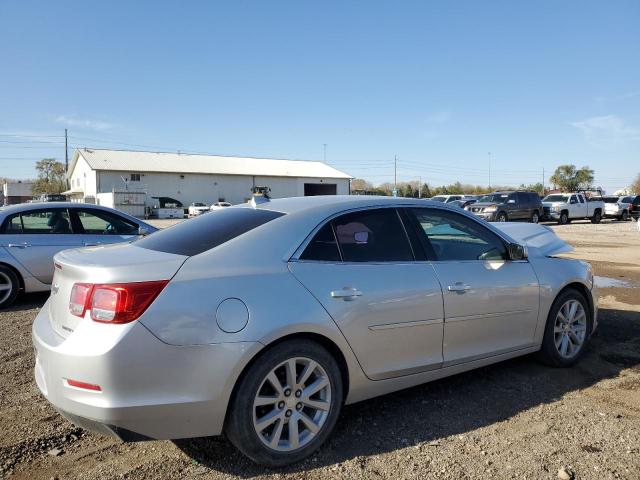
x=149, y=389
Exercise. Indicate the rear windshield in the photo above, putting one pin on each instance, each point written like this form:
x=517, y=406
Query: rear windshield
x=610, y=199
x=556, y=198
x=205, y=232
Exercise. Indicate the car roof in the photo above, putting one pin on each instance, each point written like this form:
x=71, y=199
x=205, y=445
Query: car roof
x=337, y=203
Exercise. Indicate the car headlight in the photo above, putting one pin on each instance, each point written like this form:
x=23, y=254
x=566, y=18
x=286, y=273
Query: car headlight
x=490, y=209
x=555, y=208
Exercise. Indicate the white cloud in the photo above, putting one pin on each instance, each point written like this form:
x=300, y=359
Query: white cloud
x=442, y=116
x=74, y=121
x=607, y=130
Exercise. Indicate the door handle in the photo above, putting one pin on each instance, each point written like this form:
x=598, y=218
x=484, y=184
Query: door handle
x=346, y=294
x=19, y=245
x=458, y=287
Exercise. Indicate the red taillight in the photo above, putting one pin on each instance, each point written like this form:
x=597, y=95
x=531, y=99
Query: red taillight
x=116, y=302
x=80, y=294
x=84, y=385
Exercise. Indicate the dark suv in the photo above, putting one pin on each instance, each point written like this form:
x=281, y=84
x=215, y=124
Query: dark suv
x=634, y=208
x=506, y=206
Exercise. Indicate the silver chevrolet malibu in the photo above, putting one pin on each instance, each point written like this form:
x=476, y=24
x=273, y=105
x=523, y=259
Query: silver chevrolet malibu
x=261, y=321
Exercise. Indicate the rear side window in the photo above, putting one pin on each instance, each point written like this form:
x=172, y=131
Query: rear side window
x=50, y=221
x=98, y=222
x=323, y=247
x=205, y=232
x=372, y=236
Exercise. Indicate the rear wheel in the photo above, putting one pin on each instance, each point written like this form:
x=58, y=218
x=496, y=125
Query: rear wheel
x=9, y=286
x=502, y=217
x=597, y=216
x=567, y=330
x=287, y=404
x=625, y=216
x=535, y=217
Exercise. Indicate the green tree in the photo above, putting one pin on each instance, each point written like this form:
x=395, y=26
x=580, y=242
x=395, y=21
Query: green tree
x=569, y=178
x=534, y=187
x=635, y=185
x=51, y=177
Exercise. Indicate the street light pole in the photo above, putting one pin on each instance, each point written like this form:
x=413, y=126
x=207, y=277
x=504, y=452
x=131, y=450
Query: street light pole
x=489, y=170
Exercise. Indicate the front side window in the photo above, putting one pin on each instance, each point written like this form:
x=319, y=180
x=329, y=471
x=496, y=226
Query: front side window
x=97, y=222
x=372, y=236
x=453, y=237
x=581, y=198
x=55, y=221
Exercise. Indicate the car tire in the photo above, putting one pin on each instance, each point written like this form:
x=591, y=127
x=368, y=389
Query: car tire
x=625, y=216
x=564, y=218
x=502, y=217
x=271, y=446
x=535, y=217
x=597, y=216
x=9, y=286
x=565, y=341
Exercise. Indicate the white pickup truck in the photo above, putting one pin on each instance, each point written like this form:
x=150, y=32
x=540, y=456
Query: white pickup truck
x=564, y=207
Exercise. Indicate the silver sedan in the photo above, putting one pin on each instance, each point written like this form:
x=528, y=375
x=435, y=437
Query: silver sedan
x=262, y=321
x=32, y=233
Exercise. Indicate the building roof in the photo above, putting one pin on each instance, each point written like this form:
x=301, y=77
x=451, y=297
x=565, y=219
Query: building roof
x=134, y=161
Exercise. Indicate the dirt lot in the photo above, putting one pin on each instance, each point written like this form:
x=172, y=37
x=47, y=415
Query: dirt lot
x=517, y=419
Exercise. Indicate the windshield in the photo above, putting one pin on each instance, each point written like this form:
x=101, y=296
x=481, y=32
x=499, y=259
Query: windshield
x=439, y=198
x=556, y=198
x=494, y=198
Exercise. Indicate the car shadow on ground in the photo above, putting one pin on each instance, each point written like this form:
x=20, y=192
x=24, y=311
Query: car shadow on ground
x=452, y=406
x=28, y=301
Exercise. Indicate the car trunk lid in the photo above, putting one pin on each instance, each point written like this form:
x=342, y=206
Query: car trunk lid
x=123, y=263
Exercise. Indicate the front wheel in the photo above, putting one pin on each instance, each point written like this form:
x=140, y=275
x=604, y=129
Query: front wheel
x=286, y=404
x=502, y=217
x=9, y=286
x=567, y=330
x=564, y=218
x=625, y=216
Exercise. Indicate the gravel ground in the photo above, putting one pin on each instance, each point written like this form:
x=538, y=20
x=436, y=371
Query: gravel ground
x=517, y=419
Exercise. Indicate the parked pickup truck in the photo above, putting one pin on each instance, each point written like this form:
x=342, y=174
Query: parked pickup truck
x=564, y=207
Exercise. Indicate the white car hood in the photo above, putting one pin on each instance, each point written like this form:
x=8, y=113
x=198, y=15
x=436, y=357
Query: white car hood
x=539, y=239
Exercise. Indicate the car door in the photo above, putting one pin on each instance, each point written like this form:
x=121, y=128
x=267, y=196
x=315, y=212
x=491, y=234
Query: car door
x=490, y=302
x=360, y=266
x=35, y=236
x=99, y=227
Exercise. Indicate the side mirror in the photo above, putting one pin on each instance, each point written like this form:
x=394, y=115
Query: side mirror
x=143, y=232
x=517, y=251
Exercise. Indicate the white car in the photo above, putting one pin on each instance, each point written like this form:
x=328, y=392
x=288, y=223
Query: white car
x=617, y=207
x=219, y=205
x=197, y=208
x=564, y=207
x=451, y=198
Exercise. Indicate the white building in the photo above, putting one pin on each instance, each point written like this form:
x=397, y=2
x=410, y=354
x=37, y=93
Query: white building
x=196, y=178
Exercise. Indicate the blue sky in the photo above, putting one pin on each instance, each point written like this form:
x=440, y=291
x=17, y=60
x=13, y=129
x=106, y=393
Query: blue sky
x=437, y=83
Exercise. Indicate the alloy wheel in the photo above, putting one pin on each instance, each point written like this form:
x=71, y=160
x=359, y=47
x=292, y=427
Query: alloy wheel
x=570, y=329
x=292, y=404
x=6, y=286
x=535, y=218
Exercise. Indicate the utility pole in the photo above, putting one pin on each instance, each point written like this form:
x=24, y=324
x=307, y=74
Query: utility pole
x=66, y=152
x=542, y=181
x=395, y=175
x=489, y=170
x=324, y=152
x=420, y=187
